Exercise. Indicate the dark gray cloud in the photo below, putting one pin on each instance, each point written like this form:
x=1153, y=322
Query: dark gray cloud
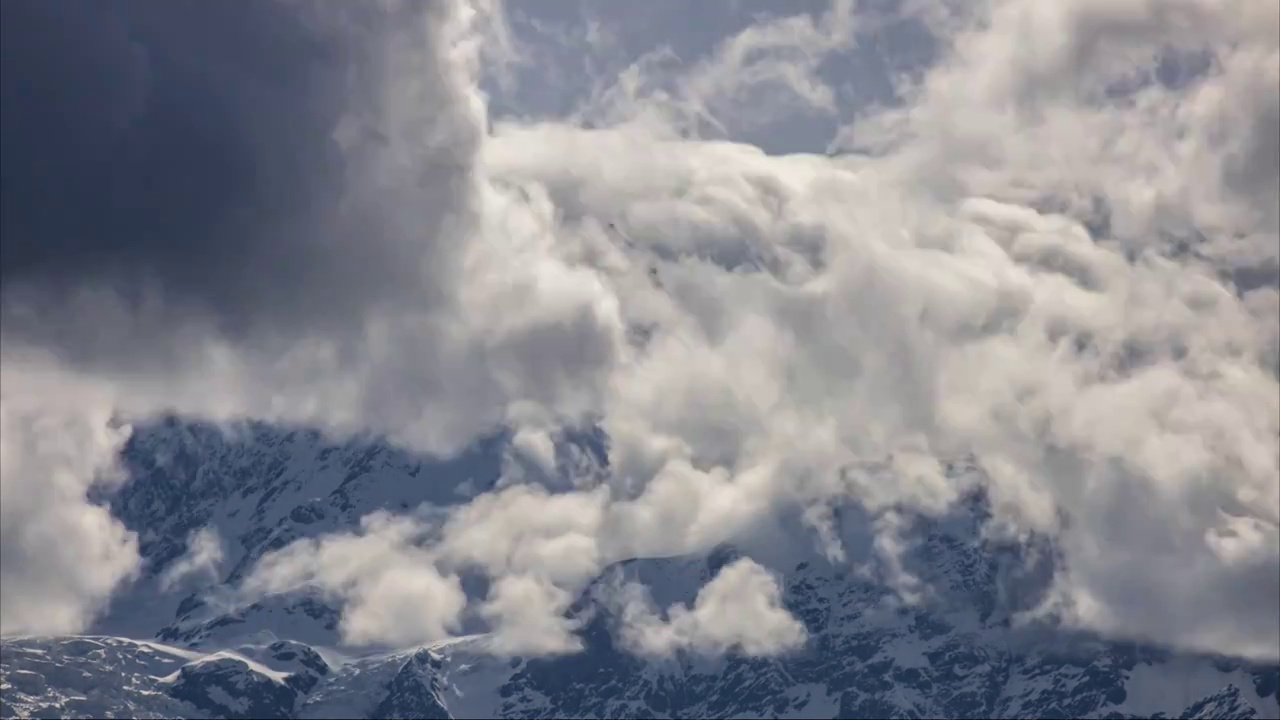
x=186, y=151
x=218, y=210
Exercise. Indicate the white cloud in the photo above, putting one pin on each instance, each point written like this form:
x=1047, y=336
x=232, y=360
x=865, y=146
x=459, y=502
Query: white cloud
x=523, y=530
x=527, y=617
x=390, y=589
x=739, y=609
x=60, y=555
x=928, y=309
x=202, y=560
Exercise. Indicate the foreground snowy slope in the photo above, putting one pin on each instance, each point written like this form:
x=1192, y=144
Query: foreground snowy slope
x=198, y=653
x=115, y=677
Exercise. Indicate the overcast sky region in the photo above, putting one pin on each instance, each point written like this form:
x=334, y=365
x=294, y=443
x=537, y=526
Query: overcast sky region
x=759, y=244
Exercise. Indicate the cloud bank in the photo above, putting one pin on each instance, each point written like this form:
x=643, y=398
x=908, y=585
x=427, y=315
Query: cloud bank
x=1055, y=251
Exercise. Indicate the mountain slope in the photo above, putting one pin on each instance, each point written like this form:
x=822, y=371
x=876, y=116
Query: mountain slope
x=103, y=676
x=955, y=654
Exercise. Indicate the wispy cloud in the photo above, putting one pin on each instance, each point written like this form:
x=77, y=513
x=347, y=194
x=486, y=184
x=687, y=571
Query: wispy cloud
x=202, y=560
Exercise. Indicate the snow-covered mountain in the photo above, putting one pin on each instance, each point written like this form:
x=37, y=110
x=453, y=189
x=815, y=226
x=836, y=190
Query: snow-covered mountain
x=193, y=653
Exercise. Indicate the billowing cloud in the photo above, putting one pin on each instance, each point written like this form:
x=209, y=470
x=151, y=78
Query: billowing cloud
x=739, y=609
x=1055, y=253
x=61, y=556
x=527, y=617
x=389, y=587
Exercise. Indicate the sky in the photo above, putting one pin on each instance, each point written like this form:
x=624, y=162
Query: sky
x=760, y=246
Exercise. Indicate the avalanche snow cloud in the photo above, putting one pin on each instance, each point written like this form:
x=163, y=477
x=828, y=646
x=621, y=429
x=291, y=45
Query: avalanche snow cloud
x=1045, y=236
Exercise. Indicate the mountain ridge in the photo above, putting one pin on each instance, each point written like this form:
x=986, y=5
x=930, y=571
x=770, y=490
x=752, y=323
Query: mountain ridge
x=212, y=653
